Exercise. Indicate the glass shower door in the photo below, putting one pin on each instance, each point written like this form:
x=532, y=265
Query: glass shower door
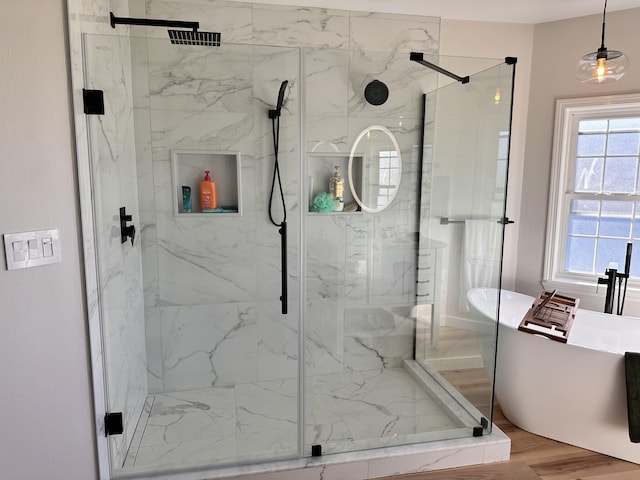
x=198, y=356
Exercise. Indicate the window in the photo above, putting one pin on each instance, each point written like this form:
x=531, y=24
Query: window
x=388, y=176
x=594, y=206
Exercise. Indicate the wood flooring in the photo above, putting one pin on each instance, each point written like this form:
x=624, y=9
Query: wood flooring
x=532, y=457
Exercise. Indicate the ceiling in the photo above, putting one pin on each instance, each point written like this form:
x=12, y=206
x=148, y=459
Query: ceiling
x=516, y=11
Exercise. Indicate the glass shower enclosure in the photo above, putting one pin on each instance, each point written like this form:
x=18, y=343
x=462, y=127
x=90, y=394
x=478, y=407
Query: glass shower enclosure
x=378, y=346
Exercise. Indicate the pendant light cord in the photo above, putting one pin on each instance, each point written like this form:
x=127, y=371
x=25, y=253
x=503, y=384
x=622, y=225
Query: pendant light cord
x=603, y=18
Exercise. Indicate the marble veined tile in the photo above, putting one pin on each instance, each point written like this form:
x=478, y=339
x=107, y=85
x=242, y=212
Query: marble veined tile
x=188, y=453
x=277, y=342
x=326, y=87
x=209, y=345
x=202, y=130
x=267, y=416
x=200, y=79
x=207, y=413
x=371, y=404
x=324, y=336
x=402, y=33
x=275, y=25
x=202, y=261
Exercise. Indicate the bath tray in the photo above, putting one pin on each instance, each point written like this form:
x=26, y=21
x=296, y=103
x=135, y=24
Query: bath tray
x=551, y=315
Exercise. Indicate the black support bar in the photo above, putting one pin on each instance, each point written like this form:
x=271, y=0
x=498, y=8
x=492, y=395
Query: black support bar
x=419, y=58
x=283, y=260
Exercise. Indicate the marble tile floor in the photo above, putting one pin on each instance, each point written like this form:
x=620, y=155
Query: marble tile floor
x=249, y=422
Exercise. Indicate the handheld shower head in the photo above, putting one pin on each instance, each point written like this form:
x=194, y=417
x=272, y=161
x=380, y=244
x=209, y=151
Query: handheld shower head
x=276, y=112
x=283, y=87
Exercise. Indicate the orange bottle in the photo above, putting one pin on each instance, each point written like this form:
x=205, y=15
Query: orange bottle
x=207, y=193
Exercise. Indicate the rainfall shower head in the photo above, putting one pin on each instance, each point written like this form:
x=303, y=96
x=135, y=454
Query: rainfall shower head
x=177, y=37
x=186, y=37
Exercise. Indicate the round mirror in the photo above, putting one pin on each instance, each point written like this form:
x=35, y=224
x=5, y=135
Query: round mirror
x=375, y=168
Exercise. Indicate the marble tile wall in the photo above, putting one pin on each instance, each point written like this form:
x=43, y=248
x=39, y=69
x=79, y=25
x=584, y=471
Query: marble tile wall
x=217, y=99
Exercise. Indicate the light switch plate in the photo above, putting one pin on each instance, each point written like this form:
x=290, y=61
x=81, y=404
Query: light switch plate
x=31, y=249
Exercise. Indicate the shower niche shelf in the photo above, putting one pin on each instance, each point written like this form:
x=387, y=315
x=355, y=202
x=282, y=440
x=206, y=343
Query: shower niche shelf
x=320, y=168
x=188, y=167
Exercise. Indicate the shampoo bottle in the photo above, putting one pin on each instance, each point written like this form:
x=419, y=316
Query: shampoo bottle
x=207, y=193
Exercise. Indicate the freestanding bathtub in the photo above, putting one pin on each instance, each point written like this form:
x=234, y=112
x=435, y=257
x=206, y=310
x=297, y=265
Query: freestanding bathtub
x=574, y=392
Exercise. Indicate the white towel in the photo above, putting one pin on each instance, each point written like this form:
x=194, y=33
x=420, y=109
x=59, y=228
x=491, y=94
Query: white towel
x=480, y=260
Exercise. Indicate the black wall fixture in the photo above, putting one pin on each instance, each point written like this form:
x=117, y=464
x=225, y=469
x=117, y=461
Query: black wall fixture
x=419, y=58
x=376, y=92
x=126, y=231
x=177, y=37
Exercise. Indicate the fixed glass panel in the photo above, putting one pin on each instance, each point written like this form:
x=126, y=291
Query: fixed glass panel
x=363, y=388
x=199, y=358
x=462, y=217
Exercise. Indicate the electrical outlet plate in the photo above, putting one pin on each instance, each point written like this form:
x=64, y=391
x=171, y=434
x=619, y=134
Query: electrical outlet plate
x=31, y=249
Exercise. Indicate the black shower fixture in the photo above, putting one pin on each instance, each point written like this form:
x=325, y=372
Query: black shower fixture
x=376, y=92
x=177, y=37
x=419, y=58
x=274, y=113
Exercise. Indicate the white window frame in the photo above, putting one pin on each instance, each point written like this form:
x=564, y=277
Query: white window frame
x=568, y=114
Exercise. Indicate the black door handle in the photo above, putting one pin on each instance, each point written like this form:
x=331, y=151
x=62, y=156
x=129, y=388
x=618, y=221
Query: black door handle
x=126, y=231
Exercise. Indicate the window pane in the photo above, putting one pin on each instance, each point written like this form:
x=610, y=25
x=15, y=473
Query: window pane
x=591, y=145
x=615, y=227
x=623, y=143
x=615, y=207
x=592, y=126
x=615, y=220
x=589, y=174
x=585, y=206
x=580, y=253
x=384, y=177
x=610, y=251
x=384, y=162
x=583, y=225
x=583, y=219
x=624, y=124
x=619, y=174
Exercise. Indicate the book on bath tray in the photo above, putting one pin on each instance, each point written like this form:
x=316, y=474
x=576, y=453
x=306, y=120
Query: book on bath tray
x=551, y=316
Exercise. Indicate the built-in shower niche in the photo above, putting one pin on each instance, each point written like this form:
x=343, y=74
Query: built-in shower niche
x=320, y=168
x=188, y=167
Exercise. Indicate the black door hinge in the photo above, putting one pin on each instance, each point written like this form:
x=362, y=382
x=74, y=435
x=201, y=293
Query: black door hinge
x=93, y=101
x=113, y=424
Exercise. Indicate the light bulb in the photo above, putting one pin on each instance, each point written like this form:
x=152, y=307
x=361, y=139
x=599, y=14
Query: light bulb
x=496, y=97
x=601, y=69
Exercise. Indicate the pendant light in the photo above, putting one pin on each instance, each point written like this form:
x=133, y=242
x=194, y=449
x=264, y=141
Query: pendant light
x=604, y=65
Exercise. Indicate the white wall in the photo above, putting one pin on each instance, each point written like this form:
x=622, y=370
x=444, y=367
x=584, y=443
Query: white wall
x=557, y=48
x=45, y=397
x=500, y=40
